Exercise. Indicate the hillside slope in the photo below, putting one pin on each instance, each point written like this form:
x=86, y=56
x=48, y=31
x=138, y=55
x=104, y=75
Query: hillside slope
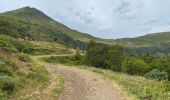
x=155, y=39
x=34, y=16
x=32, y=23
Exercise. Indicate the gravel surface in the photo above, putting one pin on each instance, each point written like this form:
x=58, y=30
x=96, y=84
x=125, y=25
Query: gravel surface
x=84, y=85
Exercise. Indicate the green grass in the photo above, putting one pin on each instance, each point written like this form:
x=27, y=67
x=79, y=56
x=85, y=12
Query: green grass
x=46, y=48
x=30, y=22
x=12, y=45
x=16, y=79
x=141, y=87
x=68, y=60
x=58, y=89
x=20, y=75
x=41, y=20
x=33, y=79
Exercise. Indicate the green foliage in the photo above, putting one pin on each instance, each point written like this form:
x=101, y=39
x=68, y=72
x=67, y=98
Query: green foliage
x=162, y=64
x=14, y=45
x=38, y=73
x=8, y=71
x=24, y=57
x=14, y=79
x=116, y=57
x=5, y=43
x=104, y=56
x=95, y=56
x=78, y=54
x=157, y=75
x=32, y=21
x=5, y=70
x=7, y=84
x=6, y=27
x=69, y=60
x=7, y=67
x=134, y=66
x=38, y=28
x=145, y=88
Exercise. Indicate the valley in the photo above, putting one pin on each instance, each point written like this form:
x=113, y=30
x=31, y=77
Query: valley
x=42, y=59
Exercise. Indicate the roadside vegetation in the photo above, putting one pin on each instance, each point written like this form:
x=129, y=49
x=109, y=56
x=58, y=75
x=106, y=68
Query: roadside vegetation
x=19, y=74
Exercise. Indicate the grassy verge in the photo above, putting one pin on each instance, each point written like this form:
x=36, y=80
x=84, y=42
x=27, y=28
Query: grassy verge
x=142, y=88
x=58, y=89
x=36, y=79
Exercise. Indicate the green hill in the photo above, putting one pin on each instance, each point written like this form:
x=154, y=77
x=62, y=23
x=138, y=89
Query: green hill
x=35, y=25
x=36, y=17
x=155, y=39
x=155, y=44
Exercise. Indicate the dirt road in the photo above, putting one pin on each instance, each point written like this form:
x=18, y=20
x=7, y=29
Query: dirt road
x=84, y=85
x=81, y=84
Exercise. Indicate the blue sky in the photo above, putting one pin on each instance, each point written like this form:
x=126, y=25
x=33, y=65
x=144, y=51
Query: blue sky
x=103, y=18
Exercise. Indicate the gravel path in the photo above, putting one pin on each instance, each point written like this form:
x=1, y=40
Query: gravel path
x=85, y=85
x=81, y=84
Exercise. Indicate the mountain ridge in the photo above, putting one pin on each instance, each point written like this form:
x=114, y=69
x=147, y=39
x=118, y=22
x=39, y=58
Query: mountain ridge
x=38, y=24
x=34, y=15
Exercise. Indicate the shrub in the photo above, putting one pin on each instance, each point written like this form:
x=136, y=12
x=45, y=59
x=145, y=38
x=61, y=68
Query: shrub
x=24, y=57
x=104, y=56
x=162, y=64
x=6, y=44
x=77, y=55
x=22, y=46
x=157, y=75
x=134, y=66
x=5, y=70
x=38, y=73
x=7, y=84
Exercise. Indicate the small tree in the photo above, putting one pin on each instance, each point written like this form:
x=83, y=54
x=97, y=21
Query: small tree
x=96, y=55
x=115, y=57
x=134, y=66
x=104, y=56
x=78, y=54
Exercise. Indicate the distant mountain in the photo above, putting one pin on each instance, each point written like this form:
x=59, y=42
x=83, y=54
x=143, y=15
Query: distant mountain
x=34, y=24
x=155, y=39
x=154, y=44
x=34, y=16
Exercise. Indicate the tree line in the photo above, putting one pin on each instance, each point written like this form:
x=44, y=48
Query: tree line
x=116, y=59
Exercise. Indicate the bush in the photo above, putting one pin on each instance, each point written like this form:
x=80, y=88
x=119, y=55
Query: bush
x=78, y=54
x=157, y=75
x=162, y=64
x=24, y=57
x=5, y=43
x=5, y=70
x=38, y=73
x=134, y=66
x=7, y=84
x=103, y=56
x=7, y=67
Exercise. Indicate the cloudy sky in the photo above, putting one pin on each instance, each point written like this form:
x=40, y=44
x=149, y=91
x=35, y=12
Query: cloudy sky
x=103, y=18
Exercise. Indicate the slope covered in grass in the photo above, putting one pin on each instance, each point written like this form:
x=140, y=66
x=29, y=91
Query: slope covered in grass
x=34, y=24
x=41, y=24
x=19, y=74
x=155, y=39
